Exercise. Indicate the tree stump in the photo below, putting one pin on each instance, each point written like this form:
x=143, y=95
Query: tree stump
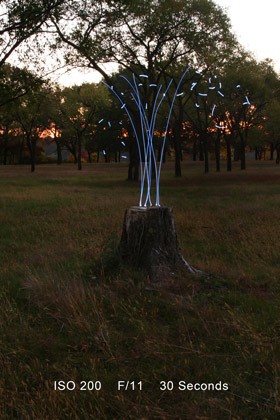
x=149, y=241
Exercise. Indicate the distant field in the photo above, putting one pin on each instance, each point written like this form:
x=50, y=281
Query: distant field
x=70, y=311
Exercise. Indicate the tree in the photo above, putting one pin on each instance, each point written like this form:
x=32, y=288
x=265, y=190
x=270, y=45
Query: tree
x=22, y=20
x=32, y=118
x=15, y=83
x=271, y=127
x=154, y=35
x=78, y=111
x=249, y=86
x=8, y=131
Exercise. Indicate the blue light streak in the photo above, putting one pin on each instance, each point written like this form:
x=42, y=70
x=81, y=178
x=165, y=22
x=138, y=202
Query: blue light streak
x=146, y=152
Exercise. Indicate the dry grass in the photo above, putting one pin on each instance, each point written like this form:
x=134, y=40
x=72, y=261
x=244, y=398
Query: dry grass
x=69, y=311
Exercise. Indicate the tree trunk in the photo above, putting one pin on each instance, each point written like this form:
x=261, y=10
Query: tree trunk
x=149, y=241
x=201, y=154
x=158, y=153
x=242, y=156
x=31, y=144
x=271, y=152
x=79, y=154
x=278, y=155
x=177, y=150
x=58, y=152
x=21, y=147
x=5, y=151
x=217, y=153
x=164, y=155
x=206, y=158
x=133, y=168
x=236, y=153
x=194, y=149
x=228, y=143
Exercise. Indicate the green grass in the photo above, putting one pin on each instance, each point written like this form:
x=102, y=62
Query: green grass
x=70, y=311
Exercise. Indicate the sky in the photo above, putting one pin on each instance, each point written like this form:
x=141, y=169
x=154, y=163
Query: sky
x=256, y=25
x=254, y=22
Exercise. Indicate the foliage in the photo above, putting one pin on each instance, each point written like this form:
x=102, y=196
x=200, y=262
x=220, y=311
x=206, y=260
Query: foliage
x=22, y=20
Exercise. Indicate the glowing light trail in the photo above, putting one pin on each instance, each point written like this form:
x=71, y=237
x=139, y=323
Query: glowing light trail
x=193, y=85
x=146, y=152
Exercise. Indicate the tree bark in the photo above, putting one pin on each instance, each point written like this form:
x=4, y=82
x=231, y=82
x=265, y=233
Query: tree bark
x=242, y=157
x=271, y=151
x=256, y=154
x=194, y=149
x=164, y=155
x=217, y=152
x=228, y=143
x=58, y=152
x=242, y=152
x=5, y=151
x=201, y=154
x=79, y=154
x=31, y=144
x=21, y=147
x=236, y=154
x=278, y=155
x=149, y=241
x=178, y=171
x=206, y=157
x=133, y=168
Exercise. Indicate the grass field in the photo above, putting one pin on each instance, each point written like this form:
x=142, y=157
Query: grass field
x=69, y=311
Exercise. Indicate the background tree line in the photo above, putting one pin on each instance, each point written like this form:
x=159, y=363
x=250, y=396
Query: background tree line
x=158, y=38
